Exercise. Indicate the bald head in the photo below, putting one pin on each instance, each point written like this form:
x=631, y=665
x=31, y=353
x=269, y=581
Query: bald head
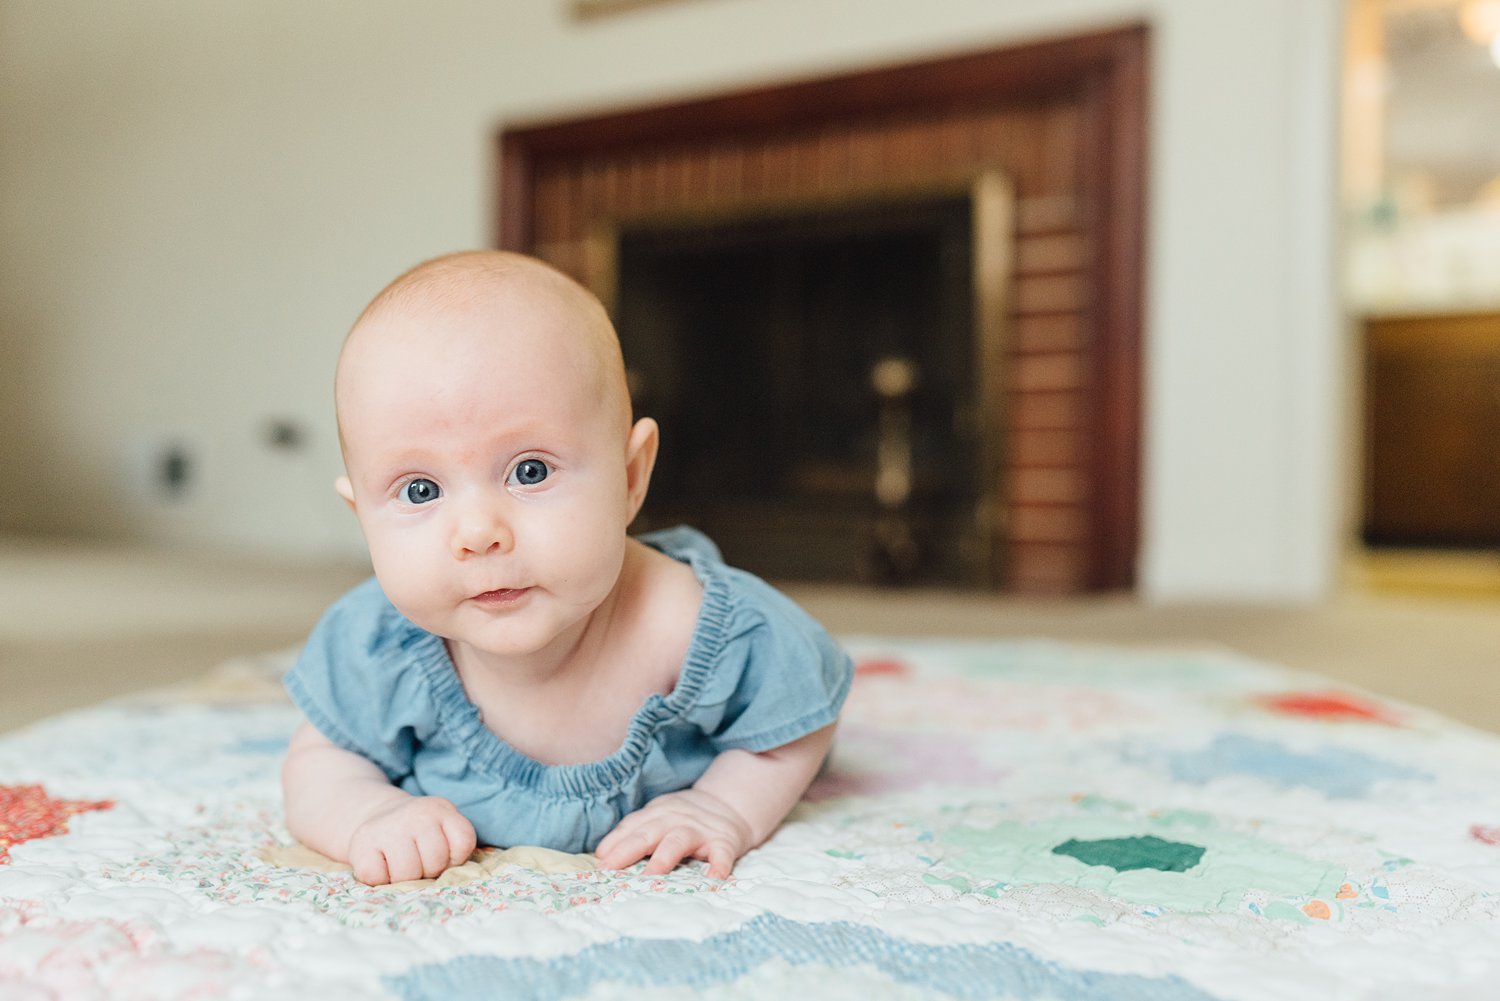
x=488, y=301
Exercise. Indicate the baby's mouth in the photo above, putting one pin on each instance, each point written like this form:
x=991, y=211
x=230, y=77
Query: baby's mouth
x=501, y=597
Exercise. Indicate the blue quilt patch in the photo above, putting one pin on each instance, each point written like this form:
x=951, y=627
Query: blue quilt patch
x=1336, y=772
x=989, y=970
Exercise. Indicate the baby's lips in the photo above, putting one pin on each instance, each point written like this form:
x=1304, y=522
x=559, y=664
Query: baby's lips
x=500, y=595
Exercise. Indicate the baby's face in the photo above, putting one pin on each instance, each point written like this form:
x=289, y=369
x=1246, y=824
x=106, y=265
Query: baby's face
x=489, y=476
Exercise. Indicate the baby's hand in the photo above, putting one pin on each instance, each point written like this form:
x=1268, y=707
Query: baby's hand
x=416, y=838
x=687, y=824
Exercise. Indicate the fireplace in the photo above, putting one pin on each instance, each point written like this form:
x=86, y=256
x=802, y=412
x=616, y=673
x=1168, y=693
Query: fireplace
x=824, y=373
x=889, y=321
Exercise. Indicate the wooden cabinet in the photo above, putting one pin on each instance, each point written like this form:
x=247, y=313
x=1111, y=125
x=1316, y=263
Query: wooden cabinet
x=1433, y=430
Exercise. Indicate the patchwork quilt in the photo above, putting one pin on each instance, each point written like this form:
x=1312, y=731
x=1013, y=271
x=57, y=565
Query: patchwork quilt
x=998, y=820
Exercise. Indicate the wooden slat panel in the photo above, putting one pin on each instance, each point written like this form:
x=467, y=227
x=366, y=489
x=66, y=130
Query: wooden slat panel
x=867, y=156
x=1042, y=568
x=1051, y=293
x=951, y=143
x=567, y=256
x=553, y=215
x=1061, y=147
x=590, y=194
x=833, y=161
x=1041, y=214
x=1046, y=410
x=1062, y=332
x=1063, y=252
x=908, y=153
x=726, y=174
x=1009, y=137
x=1036, y=523
x=1046, y=486
x=637, y=170
x=1045, y=373
x=1055, y=448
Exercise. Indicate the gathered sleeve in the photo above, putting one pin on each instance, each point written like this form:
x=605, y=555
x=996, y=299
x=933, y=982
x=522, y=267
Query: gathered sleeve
x=359, y=680
x=779, y=676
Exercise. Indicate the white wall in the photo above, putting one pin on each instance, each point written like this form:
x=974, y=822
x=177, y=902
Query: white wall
x=196, y=199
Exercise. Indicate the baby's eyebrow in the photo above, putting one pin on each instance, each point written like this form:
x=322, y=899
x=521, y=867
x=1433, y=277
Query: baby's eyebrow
x=388, y=474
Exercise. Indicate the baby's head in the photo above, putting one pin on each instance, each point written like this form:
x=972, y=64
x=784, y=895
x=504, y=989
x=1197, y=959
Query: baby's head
x=487, y=303
x=489, y=450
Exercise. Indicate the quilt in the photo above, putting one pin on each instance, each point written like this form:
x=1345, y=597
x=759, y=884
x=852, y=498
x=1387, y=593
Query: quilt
x=997, y=820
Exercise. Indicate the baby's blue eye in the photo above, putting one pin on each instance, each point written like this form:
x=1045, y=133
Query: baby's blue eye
x=420, y=492
x=530, y=472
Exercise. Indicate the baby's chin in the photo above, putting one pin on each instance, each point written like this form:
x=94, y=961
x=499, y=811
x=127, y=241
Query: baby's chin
x=510, y=628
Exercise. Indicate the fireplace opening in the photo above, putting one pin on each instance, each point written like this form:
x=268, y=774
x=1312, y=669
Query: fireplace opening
x=820, y=374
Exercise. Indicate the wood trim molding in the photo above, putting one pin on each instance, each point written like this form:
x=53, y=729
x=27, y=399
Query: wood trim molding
x=1116, y=177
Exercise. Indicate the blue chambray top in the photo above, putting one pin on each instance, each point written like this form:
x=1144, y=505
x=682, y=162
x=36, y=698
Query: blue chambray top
x=759, y=673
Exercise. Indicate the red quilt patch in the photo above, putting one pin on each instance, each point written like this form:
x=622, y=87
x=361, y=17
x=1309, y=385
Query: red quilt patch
x=1328, y=705
x=27, y=813
x=882, y=667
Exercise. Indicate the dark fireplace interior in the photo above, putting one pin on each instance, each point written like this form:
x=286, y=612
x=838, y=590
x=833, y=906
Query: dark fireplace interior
x=814, y=373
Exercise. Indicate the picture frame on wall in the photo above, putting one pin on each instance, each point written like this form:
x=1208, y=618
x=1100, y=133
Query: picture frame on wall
x=586, y=10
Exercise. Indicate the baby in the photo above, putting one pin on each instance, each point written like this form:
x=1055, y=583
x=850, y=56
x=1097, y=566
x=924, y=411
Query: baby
x=520, y=671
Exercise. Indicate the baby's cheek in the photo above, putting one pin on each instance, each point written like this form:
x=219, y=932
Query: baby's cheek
x=411, y=580
x=586, y=551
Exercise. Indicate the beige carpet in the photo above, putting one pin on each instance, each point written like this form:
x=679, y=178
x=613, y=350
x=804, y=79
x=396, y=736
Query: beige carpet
x=83, y=623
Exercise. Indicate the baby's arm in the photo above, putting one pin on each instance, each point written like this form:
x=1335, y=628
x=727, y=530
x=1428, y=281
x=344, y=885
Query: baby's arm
x=734, y=806
x=342, y=805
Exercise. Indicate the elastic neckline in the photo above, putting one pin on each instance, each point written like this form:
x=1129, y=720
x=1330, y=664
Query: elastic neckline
x=490, y=754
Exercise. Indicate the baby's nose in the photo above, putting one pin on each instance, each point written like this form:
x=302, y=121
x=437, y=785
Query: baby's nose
x=481, y=528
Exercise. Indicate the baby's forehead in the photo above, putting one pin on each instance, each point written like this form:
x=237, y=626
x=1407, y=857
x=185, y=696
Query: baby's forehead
x=455, y=328
x=468, y=374
x=470, y=317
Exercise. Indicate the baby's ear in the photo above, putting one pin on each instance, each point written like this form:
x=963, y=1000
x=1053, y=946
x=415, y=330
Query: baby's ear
x=345, y=490
x=640, y=459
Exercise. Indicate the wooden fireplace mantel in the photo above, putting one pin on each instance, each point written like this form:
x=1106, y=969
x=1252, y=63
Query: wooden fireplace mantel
x=1065, y=117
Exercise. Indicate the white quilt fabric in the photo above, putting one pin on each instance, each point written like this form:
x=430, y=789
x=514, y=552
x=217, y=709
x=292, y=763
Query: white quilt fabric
x=999, y=820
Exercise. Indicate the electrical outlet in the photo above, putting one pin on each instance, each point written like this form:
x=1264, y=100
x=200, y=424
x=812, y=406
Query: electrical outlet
x=285, y=434
x=160, y=468
x=174, y=471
